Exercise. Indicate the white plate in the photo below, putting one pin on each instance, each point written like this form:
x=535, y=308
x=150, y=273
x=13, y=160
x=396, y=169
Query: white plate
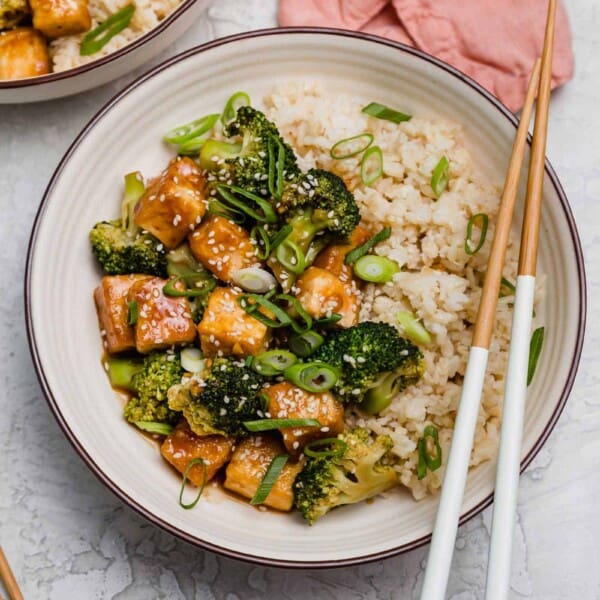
x=125, y=136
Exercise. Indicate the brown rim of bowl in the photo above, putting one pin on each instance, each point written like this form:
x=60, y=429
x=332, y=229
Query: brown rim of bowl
x=182, y=534
x=131, y=47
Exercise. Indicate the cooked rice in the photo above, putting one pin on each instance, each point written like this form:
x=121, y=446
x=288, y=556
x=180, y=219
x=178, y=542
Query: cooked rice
x=439, y=282
x=148, y=14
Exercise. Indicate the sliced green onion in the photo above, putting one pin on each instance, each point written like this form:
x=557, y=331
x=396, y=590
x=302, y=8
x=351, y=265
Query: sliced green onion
x=192, y=462
x=376, y=269
x=132, y=312
x=306, y=343
x=413, y=328
x=192, y=130
x=371, y=165
x=262, y=242
x=134, y=190
x=191, y=360
x=269, y=479
x=379, y=111
x=271, y=424
x=484, y=227
x=251, y=303
x=296, y=306
x=214, y=151
x=330, y=320
x=430, y=452
x=97, y=38
x=232, y=105
x=278, y=238
x=351, y=146
x=276, y=166
x=439, y=177
x=182, y=263
x=121, y=372
x=365, y=248
x=535, y=349
x=228, y=194
x=312, y=376
x=507, y=288
x=338, y=447
x=421, y=465
x=273, y=362
x=216, y=207
x=254, y=279
x=154, y=427
x=169, y=289
x=290, y=255
x=192, y=147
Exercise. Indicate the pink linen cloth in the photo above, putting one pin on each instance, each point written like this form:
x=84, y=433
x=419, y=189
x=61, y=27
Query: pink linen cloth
x=493, y=41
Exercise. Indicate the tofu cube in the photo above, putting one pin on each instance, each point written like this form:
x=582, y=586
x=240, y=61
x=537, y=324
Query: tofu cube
x=23, y=53
x=163, y=321
x=56, y=18
x=290, y=402
x=249, y=463
x=174, y=203
x=113, y=314
x=222, y=247
x=321, y=294
x=227, y=329
x=332, y=258
x=182, y=445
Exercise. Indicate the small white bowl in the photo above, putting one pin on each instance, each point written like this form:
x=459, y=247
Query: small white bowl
x=107, y=68
x=125, y=136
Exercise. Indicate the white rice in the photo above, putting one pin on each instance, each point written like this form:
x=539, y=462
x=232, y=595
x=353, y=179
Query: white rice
x=439, y=282
x=148, y=14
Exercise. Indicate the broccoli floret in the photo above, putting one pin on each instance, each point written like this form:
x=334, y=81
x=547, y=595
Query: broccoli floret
x=358, y=474
x=225, y=397
x=375, y=363
x=247, y=165
x=150, y=382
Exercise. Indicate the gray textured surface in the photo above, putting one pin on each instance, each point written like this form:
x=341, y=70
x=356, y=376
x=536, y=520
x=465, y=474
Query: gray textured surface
x=67, y=537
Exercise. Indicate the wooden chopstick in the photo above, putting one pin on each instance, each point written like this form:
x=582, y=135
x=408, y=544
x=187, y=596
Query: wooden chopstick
x=515, y=393
x=446, y=524
x=12, y=587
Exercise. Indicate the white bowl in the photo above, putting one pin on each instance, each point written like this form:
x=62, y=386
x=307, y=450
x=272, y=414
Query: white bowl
x=107, y=68
x=125, y=136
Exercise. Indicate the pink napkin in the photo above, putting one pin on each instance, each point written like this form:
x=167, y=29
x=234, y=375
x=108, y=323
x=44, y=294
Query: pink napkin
x=495, y=42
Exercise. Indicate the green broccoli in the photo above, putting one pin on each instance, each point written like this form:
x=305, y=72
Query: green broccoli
x=375, y=363
x=149, y=378
x=120, y=246
x=225, y=397
x=358, y=474
x=247, y=164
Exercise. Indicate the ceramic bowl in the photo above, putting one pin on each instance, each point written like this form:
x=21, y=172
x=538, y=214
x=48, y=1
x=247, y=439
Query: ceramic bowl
x=62, y=274
x=107, y=68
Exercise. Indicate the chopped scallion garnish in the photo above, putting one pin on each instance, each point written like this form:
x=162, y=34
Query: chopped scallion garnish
x=275, y=179
x=190, y=131
x=371, y=165
x=262, y=242
x=412, y=328
x=312, y=376
x=278, y=238
x=375, y=269
x=365, y=248
x=351, y=146
x=306, y=343
x=430, y=452
x=482, y=220
x=440, y=177
x=192, y=462
x=273, y=362
x=269, y=479
x=272, y=424
x=254, y=279
x=132, y=312
x=507, y=288
x=379, y=111
x=291, y=256
x=170, y=289
x=325, y=321
x=232, y=105
x=229, y=195
x=97, y=38
x=154, y=427
x=337, y=448
x=192, y=360
x=535, y=349
x=214, y=151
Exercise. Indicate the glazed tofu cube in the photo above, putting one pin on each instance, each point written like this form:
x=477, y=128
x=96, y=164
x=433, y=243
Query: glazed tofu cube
x=227, y=329
x=12, y=12
x=222, y=247
x=23, y=53
x=290, y=402
x=55, y=18
x=321, y=293
x=249, y=463
x=163, y=321
x=183, y=445
x=332, y=258
x=113, y=314
x=174, y=203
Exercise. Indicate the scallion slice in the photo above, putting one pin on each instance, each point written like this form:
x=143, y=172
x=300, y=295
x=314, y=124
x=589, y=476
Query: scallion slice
x=297, y=307
x=215, y=151
x=272, y=424
x=169, y=288
x=312, y=376
x=154, y=427
x=192, y=147
x=337, y=448
x=484, y=219
x=365, y=248
x=230, y=193
x=134, y=190
x=132, y=312
x=412, y=328
x=439, y=177
x=306, y=343
x=430, y=451
x=254, y=279
x=97, y=38
x=507, y=288
x=375, y=269
x=290, y=255
x=535, y=349
x=232, y=105
x=280, y=236
x=216, y=207
x=191, y=360
x=371, y=165
x=262, y=242
x=276, y=166
x=269, y=479
x=330, y=320
x=251, y=303
x=351, y=146
x=379, y=111
x=192, y=462
x=273, y=362
x=192, y=130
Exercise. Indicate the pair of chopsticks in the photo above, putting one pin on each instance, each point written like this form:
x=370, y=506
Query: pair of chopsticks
x=7, y=577
x=507, y=475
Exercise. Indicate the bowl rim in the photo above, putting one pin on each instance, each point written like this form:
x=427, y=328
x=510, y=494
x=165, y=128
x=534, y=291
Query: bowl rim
x=121, y=494
x=132, y=46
